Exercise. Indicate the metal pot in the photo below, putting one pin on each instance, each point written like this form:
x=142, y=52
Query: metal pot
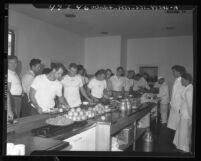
x=123, y=105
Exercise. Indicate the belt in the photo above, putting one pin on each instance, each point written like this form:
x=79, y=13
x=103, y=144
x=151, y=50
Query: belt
x=17, y=95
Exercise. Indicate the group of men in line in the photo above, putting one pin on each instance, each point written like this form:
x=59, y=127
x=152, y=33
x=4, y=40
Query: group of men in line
x=36, y=92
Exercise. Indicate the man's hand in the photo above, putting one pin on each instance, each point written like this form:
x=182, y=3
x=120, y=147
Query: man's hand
x=95, y=100
x=39, y=109
x=9, y=115
x=90, y=100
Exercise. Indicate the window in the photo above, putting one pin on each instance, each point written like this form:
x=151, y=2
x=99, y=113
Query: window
x=11, y=42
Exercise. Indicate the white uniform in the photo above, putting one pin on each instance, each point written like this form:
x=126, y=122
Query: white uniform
x=16, y=86
x=164, y=96
x=72, y=89
x=46, y=91
x=175, y=104
x=97, y=87
x=128, y=83
x=27, y=80
x=117, y=83
x=182, y=138
x=140, y=83
x=84, y=79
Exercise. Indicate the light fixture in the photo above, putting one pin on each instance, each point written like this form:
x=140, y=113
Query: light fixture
x=104, y=33
x=170, y=27
x=68, y=15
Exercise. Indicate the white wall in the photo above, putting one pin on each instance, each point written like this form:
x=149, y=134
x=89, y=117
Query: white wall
x=102, y=52
x=163, y=52
x=123, y=52
x=37, y=39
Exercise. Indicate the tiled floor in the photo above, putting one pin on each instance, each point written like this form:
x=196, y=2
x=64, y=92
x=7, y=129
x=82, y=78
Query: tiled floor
x=162, y=140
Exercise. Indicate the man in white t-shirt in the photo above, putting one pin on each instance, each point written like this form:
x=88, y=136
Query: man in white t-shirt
x=98, y=85
x=14, y=86
x=27, y=80
x=129, y=81
x=45, y=88
x=140, y=83
x=73, y=85
x=118, y=82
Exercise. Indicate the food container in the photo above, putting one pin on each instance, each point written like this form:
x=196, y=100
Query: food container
x=127, y=134
x=123, y=106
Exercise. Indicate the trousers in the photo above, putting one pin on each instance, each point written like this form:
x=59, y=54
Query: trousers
x=163, y=112
x=16, y=105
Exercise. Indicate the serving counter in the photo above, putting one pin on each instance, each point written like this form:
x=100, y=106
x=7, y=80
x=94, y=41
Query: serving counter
x=90, y=135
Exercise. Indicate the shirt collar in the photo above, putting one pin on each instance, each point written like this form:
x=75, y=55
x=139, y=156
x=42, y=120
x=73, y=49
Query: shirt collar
x=32, y=73
x=189, y=86
x=11, y=71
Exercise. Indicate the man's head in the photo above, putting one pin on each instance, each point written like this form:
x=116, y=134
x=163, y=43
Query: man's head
x=35, y=65
x=186, y=79
x=161, y=80
x=138, y=76
x=57, y=70
x=145, y=75
x=108, y=73
x=80, y=69
x=12, y=62
x=72, y=69
x=130, y=74
x=100, y=74
x=120, y=71
x=178, y=70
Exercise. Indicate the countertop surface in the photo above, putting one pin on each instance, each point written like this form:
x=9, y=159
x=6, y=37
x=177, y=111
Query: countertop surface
x=116, y=119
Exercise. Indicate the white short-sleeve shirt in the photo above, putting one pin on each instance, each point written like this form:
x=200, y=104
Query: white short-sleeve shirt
x=164, y=93
x=16, y=86
x=128, y=83
x=71, y=89
x=97, y=87
x=141, y=83
x=117, y=83
x=27, y=80
x=46, y=91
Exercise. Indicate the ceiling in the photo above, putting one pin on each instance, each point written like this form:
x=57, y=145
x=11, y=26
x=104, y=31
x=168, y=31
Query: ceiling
x=127, y=23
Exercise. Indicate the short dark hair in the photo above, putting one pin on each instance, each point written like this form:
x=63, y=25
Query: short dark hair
x=34, y=62
x=11, y=57
x=187, y=76
x=138, y=75
x=57, y=66
x=120, y=68
x=73, y=65
x=130, y=71
x=179, y=69
x=46, y=71
x=99, y=72
x=108, y=70
x=80, y=67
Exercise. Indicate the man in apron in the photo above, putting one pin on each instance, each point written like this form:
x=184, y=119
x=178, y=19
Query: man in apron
x=175, y=100
x=182, y=138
